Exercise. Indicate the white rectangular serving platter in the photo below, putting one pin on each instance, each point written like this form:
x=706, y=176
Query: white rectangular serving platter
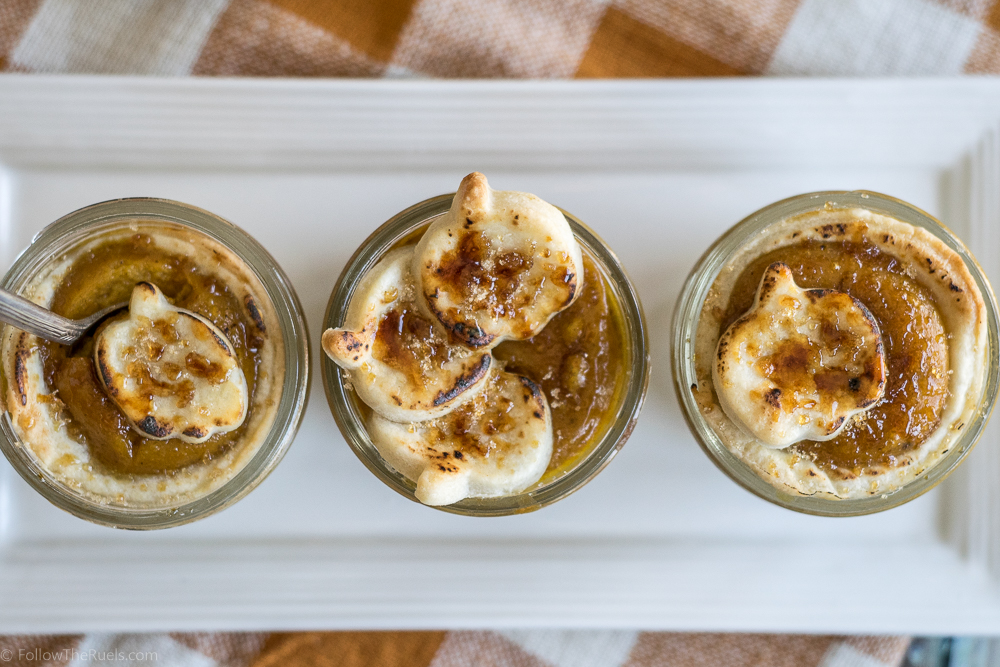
x=661, y=539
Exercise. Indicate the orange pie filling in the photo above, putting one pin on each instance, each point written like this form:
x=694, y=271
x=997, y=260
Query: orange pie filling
x=67, y=418
x=898, y=385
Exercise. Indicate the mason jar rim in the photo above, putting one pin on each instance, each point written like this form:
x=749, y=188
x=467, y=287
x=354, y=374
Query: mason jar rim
x=65, y=233
x=686, y=319
x=351, y=422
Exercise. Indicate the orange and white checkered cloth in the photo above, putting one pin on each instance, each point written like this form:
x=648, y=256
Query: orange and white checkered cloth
x=525, y=648
x=501, y=38
x=489, y=38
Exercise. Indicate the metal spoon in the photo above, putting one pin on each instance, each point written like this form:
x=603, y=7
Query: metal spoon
x=27, y=316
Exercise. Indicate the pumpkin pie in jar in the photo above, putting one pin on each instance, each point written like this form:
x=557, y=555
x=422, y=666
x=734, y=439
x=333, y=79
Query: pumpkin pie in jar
x=177, y=405
x=486, y=354
x=836, y=353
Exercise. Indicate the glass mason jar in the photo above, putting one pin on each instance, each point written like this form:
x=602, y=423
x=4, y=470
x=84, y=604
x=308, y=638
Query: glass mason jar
x=685, y=327
x=407, y=226
x=59, y=241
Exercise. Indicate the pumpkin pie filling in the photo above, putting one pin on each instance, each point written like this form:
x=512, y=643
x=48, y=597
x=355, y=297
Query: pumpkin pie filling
x=486, y=348
x=105, y=279
x=84, y=437
x=913, y=336
x=576, y=360
x=930, y=333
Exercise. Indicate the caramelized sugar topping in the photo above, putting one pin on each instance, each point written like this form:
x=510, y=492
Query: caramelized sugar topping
x=498, y=283
x=106, y=276
x=471, y=427
x=913, y=337
x=577, y=360
x=412, y=344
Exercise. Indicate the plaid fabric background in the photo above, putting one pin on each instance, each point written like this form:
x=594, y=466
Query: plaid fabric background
x=501, y=38
x=532, y=648
x=489, y=38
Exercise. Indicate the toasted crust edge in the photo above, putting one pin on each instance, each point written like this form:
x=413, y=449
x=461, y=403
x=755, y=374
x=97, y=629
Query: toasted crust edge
x=936, y=267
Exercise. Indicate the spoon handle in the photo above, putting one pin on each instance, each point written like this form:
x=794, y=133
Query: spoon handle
x=27, y=316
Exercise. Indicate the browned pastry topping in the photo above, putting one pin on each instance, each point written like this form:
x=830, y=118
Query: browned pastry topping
x=107, y=275
x=577, y=361
x=913, y=337
x=500, y=284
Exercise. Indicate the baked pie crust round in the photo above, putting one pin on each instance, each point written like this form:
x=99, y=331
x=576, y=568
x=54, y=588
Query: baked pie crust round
x=934, y=324
x=63, y=417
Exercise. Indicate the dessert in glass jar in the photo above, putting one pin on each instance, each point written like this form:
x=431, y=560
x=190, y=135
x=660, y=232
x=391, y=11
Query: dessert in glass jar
x=486, y=353
x=836, y=352
x=177, y=405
